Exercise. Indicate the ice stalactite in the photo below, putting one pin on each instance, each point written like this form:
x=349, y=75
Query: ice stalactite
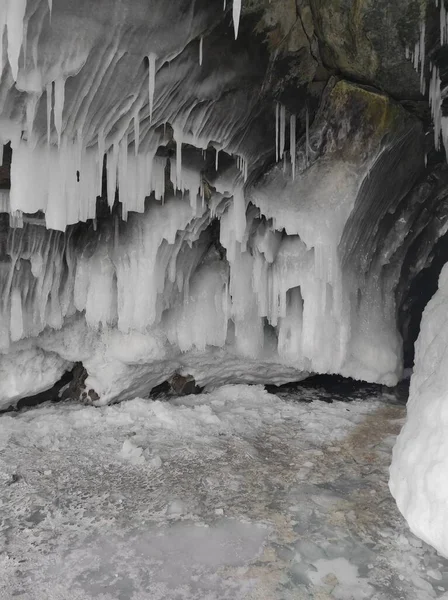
x=282, y=128
x=277, y=131
x=201, y=49
x=15, y=15
x=292, y=144
x=420, y=55
x=151, y=82
x=236, y=16
x=59, y=99
x=443, y=23
x=307, y=136
x=49, y=95
x=280, y=137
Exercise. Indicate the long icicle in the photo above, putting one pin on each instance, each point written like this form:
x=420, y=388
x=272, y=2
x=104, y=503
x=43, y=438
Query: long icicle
x=282, y=130
x=236, y=16
x=307, y=137
x=152, y=82
x=277, y=116
x=292, y=144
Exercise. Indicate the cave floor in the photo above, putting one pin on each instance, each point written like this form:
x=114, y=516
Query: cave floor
x=236, y=494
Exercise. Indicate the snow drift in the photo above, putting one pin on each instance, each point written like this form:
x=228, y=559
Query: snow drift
x=419, y=465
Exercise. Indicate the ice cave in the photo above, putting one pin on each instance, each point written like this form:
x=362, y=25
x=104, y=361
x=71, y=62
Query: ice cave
x=223, y=299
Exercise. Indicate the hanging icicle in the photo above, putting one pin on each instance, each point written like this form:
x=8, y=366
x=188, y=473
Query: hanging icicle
x=201, y=49
x=15, y=15
x=307, y=137
x=282, y=130
x=152, y=82
x=292, y=144
x=49, y=92
x=136, y=131
x=59, y=100
x=236, y=16
x=217, y=160
x=277, y=139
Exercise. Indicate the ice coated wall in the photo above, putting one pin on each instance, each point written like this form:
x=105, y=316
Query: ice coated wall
x=420, y=458
x=167, y=213
x=275, y=297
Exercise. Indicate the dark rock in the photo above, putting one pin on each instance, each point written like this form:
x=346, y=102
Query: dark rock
x=183, y=385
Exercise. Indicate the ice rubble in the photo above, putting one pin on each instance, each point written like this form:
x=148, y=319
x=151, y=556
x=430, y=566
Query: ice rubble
x=419, y=465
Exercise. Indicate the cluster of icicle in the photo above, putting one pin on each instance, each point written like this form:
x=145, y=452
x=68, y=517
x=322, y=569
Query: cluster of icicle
x=62, y=175
x=280, y=137
x=152, y=276
x=436, y=94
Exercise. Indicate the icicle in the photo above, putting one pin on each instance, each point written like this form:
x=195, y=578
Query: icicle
x=201, y=48
x=277, y=139
x=152, y=82
x=50, y=7
x=59, y=99
x=435, y=102
x=101, y=152
x=14, y=24
x=178, y=159
x=31, y=106
x=217, y=160
x=292, y=144
x=236, y=16
x=422, y=57
x=225, y=5
x=136, y=132
x=443, y=25
x=307, y=137
x=282, y=130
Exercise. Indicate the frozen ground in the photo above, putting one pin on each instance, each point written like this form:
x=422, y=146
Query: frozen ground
x=236, y=494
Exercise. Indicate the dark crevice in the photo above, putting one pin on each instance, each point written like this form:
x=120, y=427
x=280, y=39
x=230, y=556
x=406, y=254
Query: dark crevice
x=422, y=289
x=331, y=388
x=53, y=394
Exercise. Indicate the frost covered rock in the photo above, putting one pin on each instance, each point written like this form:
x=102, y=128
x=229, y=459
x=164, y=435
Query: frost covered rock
x=420, y=457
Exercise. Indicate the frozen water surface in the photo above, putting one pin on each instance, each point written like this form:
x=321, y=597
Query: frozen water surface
x=234, y=494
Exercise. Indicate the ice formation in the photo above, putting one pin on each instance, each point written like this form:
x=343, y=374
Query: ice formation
x=154, y=286
x=419, y=465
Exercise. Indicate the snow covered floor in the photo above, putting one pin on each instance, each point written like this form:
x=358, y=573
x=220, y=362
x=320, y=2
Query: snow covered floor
x=236, y=494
